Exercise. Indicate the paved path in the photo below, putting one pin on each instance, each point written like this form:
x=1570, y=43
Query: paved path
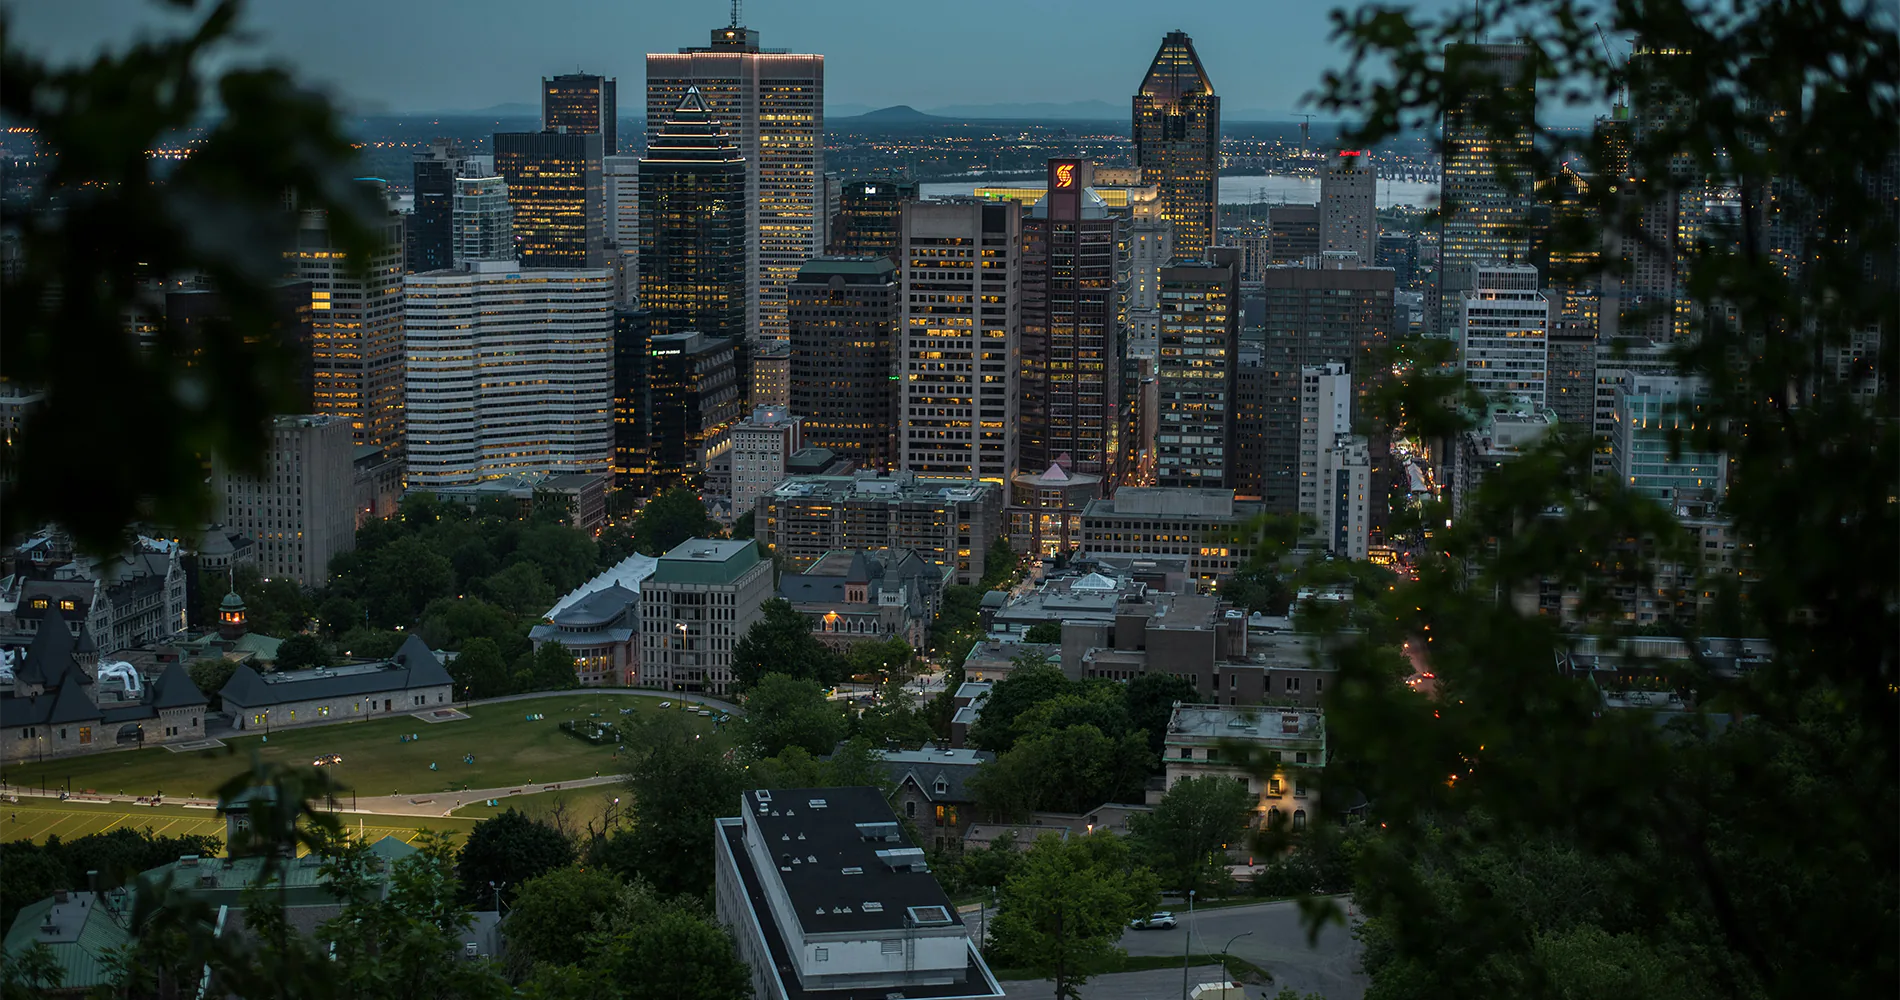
x=674, y=696
x=443, y=803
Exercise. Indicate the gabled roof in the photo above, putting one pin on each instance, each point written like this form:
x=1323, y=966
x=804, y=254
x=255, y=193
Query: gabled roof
x=51, y=653
x=174, y=689
x=72, y=705
x=84, y=937
x=425, y=668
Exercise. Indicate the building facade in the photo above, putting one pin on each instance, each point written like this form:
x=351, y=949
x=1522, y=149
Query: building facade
x=691, y=400
x=1484, y=182
x=1295, y=739
x=299, y=508
x=1200, y=342
x=1348, y=204
x=483, y=222
x=773, y=105
x=408, y=682
x=1202, y=525
x=871, y=596
x=870, y=218
x=844, y=370
x=699, y=602
x=558, y=197
x=510, y=371
x=1177, y=142
x=693, y=214
x=582, y=103
x=762, y=444
x=431, y=233
x=1504, y=333
x=950, y=522
x=1652, y=446
x=356, y=346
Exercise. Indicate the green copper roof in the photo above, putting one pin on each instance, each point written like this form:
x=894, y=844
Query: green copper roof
x=706, y=561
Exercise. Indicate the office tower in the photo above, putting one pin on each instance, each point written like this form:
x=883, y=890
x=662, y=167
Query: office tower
x=1293, y=233
x=1325, y=416
x=510, y=371
x=554, y=184
x=1484, y=187
x=1655, y=302
x=693, y=395
x=870, y=217
x=1399, y=251
x=1504, y=331
x=622, y=182
x=844, y=368
x=300, y=509
x=1570, y=385
x=772, y=374
x=1348, y=204
x=1150, y=247
x=1329, y=309
x=431, y=233
x=693, y=225
x=1074, y=294
x=701, y=599
x=773, y=105
x=1200, y=341
x=356, y=350
x=962, y=330
x=1651, y=442
x=761, y=444
x=1177, y=142
x=632, y=330
x=484, y=221
x=583, y=104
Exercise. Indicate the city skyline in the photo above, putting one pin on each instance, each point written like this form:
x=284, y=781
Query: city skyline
x=383, y=71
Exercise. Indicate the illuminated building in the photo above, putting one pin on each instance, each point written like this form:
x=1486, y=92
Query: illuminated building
x=1570, y=384
x=555, y=186
x=761, y=446
x=632, y=329
x=1200, y=342
x=701, y=598
x=870, y=218
x=844, y=367
x=484, y=221
x=693, y=395
x=1198, y=525
x=582, y=103
x=356, y=351
x=773, y=105
x=510, y=372
x=1348, y=205
x=692, y=226
x=1655, y=302
x=1150, y=247
x=1656, y=417
x=1503, y=332
x=1045, y=509
x=962, y=333
x=431, y=233
x=772, y=374
x=299, y=510
x=1177, y=142
x=949, y=521
x=622, y=174
x=1075, y=279
x=1485, y=192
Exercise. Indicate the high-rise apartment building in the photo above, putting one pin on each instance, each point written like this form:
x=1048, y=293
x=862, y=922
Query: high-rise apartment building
x=962, y=333
x=697, y=605
x=1485, y=186
x=484, y=222
x=870, y=217
x=845, y=369
x=1325, y=416
x=554, y=184
x=773, y=104
x=299, y=508
x=693, y=395
x=1293, y=233
x=693, y=225
x=356, y=351
x=1504, y=333
x=1200, y=344
x=1075, y=290
x=431, y=233
x=1344, y=502
x=510, y=372
x=582, y=103
x=1348, y=204
x=761, y=444
x=1177, y=142
x=1655, y=302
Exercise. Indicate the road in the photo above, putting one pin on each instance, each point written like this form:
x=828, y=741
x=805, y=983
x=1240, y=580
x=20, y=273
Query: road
x=1278, y=944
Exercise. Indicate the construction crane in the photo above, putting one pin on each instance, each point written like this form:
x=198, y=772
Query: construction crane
x=1306, y=127
x=1623, y=84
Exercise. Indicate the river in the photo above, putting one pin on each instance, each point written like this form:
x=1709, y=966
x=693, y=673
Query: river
x=1235, y=190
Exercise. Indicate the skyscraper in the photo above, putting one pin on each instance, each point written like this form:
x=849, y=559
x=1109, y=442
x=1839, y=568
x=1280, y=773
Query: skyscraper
x=356, y=351
x=484, y=222
x=1671, y=202
x=693, y=396
x=1293, y=233
x=1177, y=142
x=1200, y=344
x=583, y=103
x=1485, y=189
x=430, y=236
x=555, y=187
x=773, y=105
x=962, y=331
x=692, y=225
x=1074, y=309
x=509, y=372
x=632, y=330
x=844, y=368
x=1348, y=205
x=299, y=509
x=870, y=217
x=1504, y=333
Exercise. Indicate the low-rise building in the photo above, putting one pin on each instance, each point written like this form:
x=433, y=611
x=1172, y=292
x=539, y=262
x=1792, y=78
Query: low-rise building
x=599, y=624
x=761, y=446
x=1205, y=525
x=932, y=792
x=582, y=497
x=853, y=597
x=1293, y=740
x=968, y=702
x=825, y=898
x=949, y=521
x=698, y=604
x=60, y=699
x=1045, y=509
x=133, y=599
x=414, y=680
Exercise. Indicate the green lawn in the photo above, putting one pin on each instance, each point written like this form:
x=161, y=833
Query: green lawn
x=582, y=804
x=508, y=750
x=37, y=819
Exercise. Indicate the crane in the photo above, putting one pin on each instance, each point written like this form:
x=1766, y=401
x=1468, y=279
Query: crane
x=1306, y=126
x=1623, y=84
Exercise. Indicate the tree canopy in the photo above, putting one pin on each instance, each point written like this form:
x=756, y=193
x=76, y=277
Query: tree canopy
x=781, y=642
x=506, y=851
x=1065, y=907
x=784, y=712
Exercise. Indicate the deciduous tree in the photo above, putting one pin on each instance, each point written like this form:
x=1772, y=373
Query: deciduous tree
x=506, y=851
x=1064, y=909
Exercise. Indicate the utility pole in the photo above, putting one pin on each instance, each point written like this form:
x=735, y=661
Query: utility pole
x=1187, y=947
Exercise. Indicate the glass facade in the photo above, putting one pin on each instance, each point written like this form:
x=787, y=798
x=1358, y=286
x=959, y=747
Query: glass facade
x=1487, y=197
x=844, y=365
x=581, y=102
x=692, y=226
x=1177, y=142
x=556, y=190
x=356, y=339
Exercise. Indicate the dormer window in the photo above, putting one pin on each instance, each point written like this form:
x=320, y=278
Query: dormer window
x=39, y=604
x=67, y=605
x=942, y=787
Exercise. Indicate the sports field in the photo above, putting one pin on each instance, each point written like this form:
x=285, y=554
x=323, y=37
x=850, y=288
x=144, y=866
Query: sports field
x=37, y=819
x=507, y=749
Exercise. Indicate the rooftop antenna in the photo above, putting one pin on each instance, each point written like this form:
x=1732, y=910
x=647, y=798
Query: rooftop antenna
x=1306, y=127
x=735, y=13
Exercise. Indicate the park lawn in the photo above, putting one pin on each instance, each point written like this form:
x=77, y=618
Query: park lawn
x=37, y=819
x=582, y=805
x=508, y=749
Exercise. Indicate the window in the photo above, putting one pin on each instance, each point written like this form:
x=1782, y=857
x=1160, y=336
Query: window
x=1300, y=757
x=1273, y=786
x=85, y=735
x=1187, y=753
x=1299, y=789
x=1292, y=683
x=820, y=954
x=1299, y=819
x=910, y=809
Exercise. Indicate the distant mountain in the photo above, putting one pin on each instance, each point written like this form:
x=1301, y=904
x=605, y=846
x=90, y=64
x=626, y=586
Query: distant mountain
x=897, y=113
x=511, y=110
x=1042, y=110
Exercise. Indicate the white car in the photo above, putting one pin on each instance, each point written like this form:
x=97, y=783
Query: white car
x=666, y=704
x=1160, y=921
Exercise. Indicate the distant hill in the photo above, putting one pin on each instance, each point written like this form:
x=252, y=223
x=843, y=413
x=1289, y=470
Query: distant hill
x=897, y=113
x=1043, y=110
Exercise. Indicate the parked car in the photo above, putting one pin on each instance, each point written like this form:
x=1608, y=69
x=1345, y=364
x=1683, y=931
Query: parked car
x=1161, y=921
x=666, y=704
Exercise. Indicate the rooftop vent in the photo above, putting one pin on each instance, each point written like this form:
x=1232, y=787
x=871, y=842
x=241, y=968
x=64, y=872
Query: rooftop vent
x=903, y=859
x=469, y=949
x=763, y=795
x=878, y=832
x=854, y=870
x=872, y=907
x=815, y=804
x=928, y=916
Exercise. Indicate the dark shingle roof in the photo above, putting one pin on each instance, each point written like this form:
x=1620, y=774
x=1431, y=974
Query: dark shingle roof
x=174, y=689
x=800, y=588
x=597, y=609
x=16, y=712
x=71, y=705
x=51, y=652
x=413, y=666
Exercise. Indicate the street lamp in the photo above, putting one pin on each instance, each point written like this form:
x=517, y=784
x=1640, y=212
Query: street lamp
x=1187, y=947
x=1223, y=953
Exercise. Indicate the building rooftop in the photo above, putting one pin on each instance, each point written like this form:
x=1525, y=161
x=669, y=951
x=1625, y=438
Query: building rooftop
x=81, y=929
x=413, y=666
x=1244, y=722
x=706, y=561
x=1169, y=502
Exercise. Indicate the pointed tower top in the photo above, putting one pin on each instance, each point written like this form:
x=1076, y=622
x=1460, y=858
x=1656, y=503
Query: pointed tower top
x=693, y=103
x=1176, y=71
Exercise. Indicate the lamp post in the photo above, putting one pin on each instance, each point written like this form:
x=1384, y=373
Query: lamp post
x=1223, y=953
x=1187, y=947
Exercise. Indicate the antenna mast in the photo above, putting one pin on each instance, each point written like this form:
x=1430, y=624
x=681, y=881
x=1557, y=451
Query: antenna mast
x=735, y=14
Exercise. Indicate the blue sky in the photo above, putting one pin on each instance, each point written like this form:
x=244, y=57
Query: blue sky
x=405, y=55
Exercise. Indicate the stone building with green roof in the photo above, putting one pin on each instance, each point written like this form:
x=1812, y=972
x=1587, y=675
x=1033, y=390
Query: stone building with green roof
x=701, y=598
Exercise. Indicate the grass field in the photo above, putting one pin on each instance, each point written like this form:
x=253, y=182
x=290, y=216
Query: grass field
x=582, y=804
x=37, y=819
x=508, y=750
